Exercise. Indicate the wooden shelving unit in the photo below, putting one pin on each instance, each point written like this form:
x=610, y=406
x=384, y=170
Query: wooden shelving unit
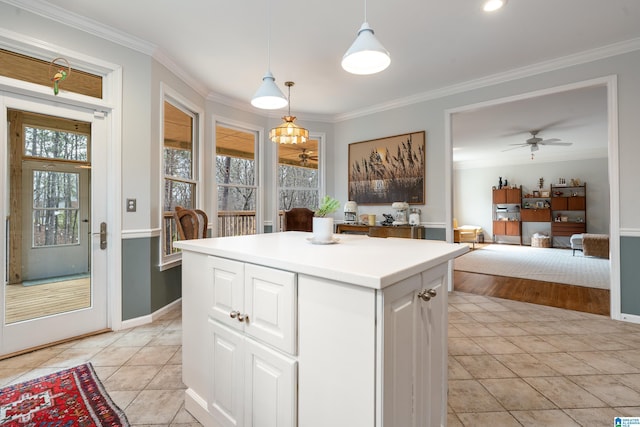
x=568, y=210
x=506, y=212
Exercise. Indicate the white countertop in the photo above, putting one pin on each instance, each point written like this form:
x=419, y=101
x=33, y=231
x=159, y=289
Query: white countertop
x=361, y=260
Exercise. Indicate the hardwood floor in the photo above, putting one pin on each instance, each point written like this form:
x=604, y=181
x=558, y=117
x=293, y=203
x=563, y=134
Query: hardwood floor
x=571, y=297
x=30, y=302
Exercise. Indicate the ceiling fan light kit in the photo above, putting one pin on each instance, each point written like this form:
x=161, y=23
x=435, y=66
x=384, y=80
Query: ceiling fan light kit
x=288, y=132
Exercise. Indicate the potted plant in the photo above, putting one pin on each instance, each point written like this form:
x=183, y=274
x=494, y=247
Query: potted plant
x=322, y=224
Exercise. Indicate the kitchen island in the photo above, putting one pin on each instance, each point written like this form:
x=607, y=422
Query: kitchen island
x=278, y=331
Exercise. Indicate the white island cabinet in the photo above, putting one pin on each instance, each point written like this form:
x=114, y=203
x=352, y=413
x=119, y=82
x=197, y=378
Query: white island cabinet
x=280, y=332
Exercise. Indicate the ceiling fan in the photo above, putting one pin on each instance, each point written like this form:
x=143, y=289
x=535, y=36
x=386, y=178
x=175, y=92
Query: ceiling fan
x=535, y=141
x=305, y=156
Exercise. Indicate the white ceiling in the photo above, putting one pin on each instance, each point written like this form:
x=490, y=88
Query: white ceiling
x=435, y=46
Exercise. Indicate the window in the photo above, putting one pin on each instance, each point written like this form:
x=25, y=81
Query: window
x=298, y=176
x=179, y=168
x=237, y=180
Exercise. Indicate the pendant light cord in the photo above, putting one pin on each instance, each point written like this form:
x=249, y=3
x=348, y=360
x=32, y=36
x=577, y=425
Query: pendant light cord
x=365, y=10
x=269, y=35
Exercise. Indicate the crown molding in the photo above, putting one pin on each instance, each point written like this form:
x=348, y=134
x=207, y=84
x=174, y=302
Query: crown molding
x=503, y=77
x=88, y=25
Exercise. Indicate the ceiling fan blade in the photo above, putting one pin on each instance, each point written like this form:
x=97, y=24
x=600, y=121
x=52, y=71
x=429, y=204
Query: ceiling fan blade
x=557, y=144
x=550, y=140
x=520, y=144
x=513, y=148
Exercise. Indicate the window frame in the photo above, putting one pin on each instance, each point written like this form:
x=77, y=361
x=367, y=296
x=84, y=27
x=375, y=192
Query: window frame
x=167, y=94
x=259, y=151
x=321, y=138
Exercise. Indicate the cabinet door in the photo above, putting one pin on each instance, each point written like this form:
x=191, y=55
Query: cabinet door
x=226, y=375
x=576, y=203
x=514, y=195
x=499, y=196
x=499, y=228
x=270, y=304
x=415, y=351
x=270, y=384
x=402, y=353
x=228, y=291
x=512, y=228
x=433, y=315
x=559, y=203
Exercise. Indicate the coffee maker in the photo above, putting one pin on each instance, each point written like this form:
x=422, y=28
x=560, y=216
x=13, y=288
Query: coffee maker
x=350, y=212
x=400, y=216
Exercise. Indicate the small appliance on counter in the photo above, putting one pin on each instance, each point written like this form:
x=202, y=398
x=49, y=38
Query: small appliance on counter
x=400, y=216
x=350, y=212
x=414, y=216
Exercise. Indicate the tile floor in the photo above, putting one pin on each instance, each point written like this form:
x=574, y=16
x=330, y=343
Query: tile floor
x=510, y=364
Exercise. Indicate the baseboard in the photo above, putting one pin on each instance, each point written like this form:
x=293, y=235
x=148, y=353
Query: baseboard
x=149, y=318
x=196, y=406
x=631, y=318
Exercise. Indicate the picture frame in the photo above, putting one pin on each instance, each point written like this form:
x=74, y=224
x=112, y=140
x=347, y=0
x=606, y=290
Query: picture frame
x=536, y=193
x=387, y=170
x=539, y=204
x=544, y=194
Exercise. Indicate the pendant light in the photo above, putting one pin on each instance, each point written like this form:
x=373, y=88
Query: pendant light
x=493, y=5
x=366, y=55
x=269, y=96
x=288, y=132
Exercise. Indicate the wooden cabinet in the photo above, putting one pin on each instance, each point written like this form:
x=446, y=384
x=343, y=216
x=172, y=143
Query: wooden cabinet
x=569, y=210
x=506, y=213
x=535, y=215
x=507, y=195
x=406, y=231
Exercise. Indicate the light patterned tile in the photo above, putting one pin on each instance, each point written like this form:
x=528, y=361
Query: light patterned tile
x=497, y=345
x=516, y=395
x=532, y=344
x=456, y=371
x=609, y=389
x=566, y=364
x=153, y=355
x=155, y=407
x=546, y=418
x=567, y=342
x=525, y=365
x=605, y=362
x=507, y=329
x=461, y=346
x=594, y=417
x=471, y=396
x=493, y=419
x=475, y=330
x=131, y=378
x=564, y=393
x=484, y=366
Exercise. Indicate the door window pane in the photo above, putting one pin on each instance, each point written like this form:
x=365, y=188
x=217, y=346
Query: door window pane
x=55, y=144
x=55, y=208
x=298, y=176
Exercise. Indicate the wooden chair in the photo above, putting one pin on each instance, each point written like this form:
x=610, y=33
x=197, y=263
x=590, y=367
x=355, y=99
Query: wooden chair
x=191, y=223
x=298, y=219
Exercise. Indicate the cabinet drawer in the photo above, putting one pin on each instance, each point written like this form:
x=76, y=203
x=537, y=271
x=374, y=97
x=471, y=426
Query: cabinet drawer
x=535, y=215
x=568, y=228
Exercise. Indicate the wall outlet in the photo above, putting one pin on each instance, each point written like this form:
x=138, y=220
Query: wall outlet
x=131, y=205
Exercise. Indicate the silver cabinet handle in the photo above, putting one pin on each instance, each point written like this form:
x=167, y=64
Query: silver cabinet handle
x=234, y=314
x=243, y=317
x=426, y=295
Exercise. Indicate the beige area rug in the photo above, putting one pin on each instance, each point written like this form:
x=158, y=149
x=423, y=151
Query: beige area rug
x=544, y=264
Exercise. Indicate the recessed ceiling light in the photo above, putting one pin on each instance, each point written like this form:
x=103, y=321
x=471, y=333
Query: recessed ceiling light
x=492, y=5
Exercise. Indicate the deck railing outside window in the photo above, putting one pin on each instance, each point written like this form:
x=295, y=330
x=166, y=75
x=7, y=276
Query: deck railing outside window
x=230, y=223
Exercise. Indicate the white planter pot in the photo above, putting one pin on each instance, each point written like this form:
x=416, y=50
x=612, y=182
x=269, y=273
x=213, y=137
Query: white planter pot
x=322, y=229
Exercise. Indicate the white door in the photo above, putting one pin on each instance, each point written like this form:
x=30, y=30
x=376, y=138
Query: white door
x=54, y=264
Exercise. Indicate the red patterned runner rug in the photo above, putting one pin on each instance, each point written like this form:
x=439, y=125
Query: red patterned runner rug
x=71, y=397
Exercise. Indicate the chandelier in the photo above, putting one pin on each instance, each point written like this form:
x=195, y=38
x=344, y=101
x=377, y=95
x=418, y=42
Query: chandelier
x=288, y=132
